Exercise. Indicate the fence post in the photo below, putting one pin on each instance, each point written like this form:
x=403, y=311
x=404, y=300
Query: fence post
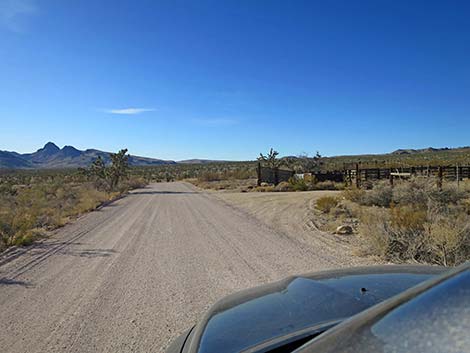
x=276, y=176
x=390, y=176
x=439, y=178
x=259, y=174
x=358, y=177
x=458, y=176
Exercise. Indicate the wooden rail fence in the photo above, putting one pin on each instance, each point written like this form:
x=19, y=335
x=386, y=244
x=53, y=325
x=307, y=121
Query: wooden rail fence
x=358, y=176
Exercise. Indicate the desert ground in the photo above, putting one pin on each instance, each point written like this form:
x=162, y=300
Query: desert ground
x=292, y=214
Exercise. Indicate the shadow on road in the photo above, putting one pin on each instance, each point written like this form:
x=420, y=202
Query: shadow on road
x=162, y=192
x=90, y=253
x=13, y=282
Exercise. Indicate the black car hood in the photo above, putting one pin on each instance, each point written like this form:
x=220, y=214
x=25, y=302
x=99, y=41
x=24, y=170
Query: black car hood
x=432, y=317
x=256, y=317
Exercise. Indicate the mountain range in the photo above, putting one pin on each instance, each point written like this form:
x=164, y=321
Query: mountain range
x=51, y=156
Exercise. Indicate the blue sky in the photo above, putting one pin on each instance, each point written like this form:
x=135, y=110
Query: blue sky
x=228, y=79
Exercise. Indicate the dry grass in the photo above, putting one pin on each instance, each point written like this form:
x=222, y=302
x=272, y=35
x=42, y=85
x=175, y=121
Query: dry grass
x=30, y=209
x=414, y=222
x=326, y=203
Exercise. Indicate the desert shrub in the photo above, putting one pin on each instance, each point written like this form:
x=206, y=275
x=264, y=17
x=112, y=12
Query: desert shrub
x=367, y=184
x=412, y=192
x=340, y=212
x=88, y=200
x=267, y=188
x=209, y=176
x=243, y=173
x=310, y=179
x=465, y=206
x=135, y=183
x=447, y=196
x=284, y=186
x=406, y=233
x=35, y=201
x=381, y=195
x=406, y=217
x=340, y=186
x=328, y=185
x=26, y=237
x=374, y=229
x=326, y=203
x=354, y=194
x=218, y=174
x=416, y=222
x=351, y=209
x=298, y=184
x=385, y=238
x=448, y=240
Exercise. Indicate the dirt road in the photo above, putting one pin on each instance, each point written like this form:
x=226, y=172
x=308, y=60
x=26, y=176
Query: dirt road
x=131, y=276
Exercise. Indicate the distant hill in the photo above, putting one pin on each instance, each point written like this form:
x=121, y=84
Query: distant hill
x=200, y=161
x=423, y=150
x=53, y=157
x=13, y=160
x=404, y=157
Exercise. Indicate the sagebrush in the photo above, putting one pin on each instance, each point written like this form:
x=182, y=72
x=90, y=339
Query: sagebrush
x=414, y=221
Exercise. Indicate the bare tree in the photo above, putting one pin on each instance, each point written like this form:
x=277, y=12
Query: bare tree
x=270, y=159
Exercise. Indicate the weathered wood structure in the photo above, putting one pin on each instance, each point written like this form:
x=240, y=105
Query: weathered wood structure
x=355, y=175
x=449, y=173
x=273, y=175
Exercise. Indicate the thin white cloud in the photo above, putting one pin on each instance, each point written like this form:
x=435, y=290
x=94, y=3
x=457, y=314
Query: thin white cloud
x=129, y=111
x=216, y=122
x=14, y=14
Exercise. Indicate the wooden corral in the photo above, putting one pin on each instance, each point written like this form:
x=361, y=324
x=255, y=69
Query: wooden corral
x=273, y=175
x=357, y=175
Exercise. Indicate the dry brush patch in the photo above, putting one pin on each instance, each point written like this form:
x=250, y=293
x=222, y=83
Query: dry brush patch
x=33, y=203
x=412, y=222
x=327, y=203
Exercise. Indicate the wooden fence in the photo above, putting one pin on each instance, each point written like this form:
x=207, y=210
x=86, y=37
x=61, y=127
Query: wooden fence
x=450, y=173
x=358, y=176
x=273, y=175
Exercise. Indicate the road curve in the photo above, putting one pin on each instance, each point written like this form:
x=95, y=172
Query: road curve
x=133, y=275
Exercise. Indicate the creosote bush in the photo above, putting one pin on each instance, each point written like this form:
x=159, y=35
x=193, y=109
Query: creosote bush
x=36, y=208
x=34, y=202
x=327, y=203
x=284, y=186
x=415, y=221
x=298, y=184
x=354, y=194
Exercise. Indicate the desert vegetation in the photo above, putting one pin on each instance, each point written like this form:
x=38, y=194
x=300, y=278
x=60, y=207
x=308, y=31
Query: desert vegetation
x=33, y=202
x=241, y=175
x=399, y=158
x=415, y=221
x=203, y=172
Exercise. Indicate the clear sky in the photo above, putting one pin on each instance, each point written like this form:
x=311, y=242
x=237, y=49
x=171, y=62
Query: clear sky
x=227, y=79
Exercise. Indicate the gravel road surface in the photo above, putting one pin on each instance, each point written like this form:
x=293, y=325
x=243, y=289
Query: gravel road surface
x=133, y=275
